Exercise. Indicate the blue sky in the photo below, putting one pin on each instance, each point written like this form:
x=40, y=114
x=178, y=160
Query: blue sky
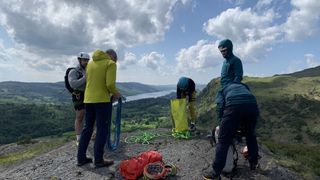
x=157, y=41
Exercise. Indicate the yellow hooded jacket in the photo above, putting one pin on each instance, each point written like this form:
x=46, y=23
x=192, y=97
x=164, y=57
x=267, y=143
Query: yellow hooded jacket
x=100, y=78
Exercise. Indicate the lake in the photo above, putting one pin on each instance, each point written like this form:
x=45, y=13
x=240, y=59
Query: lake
x=149, y=95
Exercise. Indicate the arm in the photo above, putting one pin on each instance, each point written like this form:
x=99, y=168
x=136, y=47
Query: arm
x=220, y=105
x=191, y=89
x=238, y=71
x=111, y=79
x=178, y=93
x=74, y=81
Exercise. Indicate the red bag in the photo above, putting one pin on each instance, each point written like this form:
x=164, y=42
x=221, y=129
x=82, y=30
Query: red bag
x=133, y=168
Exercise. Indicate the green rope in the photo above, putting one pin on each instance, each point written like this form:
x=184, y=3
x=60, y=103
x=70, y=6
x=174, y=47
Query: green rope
x=143, y=138
x=182, y=135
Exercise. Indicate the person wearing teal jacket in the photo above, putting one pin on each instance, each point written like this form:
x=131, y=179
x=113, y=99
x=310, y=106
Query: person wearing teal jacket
x=232, y=70
x=238, y=107
x=99, y=94
x=187, y=88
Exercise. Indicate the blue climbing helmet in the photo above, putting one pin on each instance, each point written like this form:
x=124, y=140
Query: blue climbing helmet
x=183, y=83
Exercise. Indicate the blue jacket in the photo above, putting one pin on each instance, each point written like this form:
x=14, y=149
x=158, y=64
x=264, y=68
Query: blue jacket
x=233, y=94
x=187, y=86
x=232, y=67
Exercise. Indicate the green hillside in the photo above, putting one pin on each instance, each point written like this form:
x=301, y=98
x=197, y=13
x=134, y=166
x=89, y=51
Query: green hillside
x=311, y=72
x=290, y=107
x=24, y=121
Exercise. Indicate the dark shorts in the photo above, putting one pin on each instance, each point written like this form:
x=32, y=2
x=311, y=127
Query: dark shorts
x=78, y=101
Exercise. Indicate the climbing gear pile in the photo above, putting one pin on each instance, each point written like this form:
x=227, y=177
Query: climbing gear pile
x=134, y=167
x=158, y=170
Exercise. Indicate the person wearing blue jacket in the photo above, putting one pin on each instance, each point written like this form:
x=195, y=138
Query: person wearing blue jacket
x=238, y=106
x=187, y=88
x=232, y=70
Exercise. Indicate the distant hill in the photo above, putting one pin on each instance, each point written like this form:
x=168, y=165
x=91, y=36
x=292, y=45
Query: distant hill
x=311, y=72
x=12, y=91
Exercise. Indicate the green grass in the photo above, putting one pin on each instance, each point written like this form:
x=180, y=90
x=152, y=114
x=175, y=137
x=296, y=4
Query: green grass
x=41, y=146
x=301, y=158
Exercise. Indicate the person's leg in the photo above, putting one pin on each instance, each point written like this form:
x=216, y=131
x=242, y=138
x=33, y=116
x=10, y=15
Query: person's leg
x=227, y=128
x=103, y=117
x=86, y=132
x=192, y=110
x=250, y=134
x=78, y=124
x=80, y=111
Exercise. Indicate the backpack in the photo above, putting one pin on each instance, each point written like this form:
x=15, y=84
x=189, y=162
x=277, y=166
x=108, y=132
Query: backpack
x=66, y=79
x=232, y=156
x=179, y=118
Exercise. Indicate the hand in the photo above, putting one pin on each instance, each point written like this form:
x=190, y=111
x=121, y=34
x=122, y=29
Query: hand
x=115, y=97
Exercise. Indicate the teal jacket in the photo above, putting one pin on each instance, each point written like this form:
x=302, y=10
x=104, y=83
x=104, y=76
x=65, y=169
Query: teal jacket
x=233, y=94
x=232, y=67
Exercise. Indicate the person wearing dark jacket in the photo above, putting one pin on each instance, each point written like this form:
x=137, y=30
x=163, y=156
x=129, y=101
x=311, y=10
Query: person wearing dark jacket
x=232, y=70
x=238, y=106
x=187, y=88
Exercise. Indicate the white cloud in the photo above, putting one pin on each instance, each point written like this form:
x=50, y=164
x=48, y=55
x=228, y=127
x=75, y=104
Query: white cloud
x=197, y=57
x=153, y=60
x=129, y=59
x=311, y=61
x=251, y=33
x=303, y=21
x=58, y=28
x=236, y=2
x=254, y=33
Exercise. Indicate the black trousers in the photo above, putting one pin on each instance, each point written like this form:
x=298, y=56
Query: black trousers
x=233, y=116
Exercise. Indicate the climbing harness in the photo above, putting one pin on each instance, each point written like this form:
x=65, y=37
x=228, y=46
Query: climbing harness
x=117, y=123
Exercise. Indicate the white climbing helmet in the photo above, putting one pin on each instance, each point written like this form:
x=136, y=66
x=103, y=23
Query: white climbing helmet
x=83, y=55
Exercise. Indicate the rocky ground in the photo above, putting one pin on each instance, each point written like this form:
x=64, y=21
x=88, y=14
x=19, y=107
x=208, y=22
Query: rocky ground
x=192, y=157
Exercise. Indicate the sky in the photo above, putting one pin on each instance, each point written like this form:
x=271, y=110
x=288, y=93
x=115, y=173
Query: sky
x=157, y=41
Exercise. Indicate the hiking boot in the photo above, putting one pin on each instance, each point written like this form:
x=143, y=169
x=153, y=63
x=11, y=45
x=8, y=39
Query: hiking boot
x=210, y=176
x=86, y=161
x=103, y=163
x=254, y=166
x=193, y=130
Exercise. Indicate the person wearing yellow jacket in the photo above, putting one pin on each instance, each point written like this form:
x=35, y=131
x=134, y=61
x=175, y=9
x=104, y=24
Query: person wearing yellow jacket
x=99, y=94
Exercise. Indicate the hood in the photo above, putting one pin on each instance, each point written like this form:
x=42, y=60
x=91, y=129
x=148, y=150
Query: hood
x=99, y=55
x=227, y=43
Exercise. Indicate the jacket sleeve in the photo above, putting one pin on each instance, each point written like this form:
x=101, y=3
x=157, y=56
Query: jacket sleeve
x=74, y=81
x=238, y=71
x=220, y=105
x=178, y=93
x=111, y=74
